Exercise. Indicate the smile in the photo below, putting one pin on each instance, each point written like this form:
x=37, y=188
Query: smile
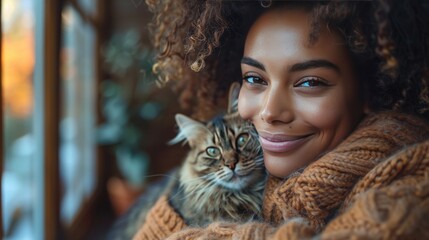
x=282, y=143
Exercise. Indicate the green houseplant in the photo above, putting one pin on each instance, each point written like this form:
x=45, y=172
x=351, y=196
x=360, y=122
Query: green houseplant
x=127, y=108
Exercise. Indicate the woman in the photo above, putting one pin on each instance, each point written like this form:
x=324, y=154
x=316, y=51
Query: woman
x=339, y=96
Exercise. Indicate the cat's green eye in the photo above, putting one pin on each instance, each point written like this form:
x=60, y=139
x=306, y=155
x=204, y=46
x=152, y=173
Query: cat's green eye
x=213, y=151
x=242, y=139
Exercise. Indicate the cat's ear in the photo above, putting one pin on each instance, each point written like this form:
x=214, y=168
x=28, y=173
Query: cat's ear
x=234, y=91
x=190, y=130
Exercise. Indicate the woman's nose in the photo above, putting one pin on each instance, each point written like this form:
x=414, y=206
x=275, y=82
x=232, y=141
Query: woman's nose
x=277, y=107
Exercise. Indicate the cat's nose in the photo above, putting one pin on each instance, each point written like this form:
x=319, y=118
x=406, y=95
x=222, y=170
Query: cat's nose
x=231, y=165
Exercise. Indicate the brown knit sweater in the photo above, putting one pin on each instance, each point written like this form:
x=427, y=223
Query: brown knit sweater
x=373, y=185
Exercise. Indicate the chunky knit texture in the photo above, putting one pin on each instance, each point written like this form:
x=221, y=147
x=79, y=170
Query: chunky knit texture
x=162, y=221
x=375, y=184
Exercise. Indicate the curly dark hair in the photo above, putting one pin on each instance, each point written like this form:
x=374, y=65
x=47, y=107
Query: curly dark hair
x=200, y=44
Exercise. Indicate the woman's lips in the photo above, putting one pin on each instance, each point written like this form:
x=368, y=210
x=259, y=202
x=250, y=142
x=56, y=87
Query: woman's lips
x=281, y=143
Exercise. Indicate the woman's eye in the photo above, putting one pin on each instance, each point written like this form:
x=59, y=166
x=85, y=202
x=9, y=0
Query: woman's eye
x=213, y=152
x=311, y=82
x=242, y=139
x=253, y=80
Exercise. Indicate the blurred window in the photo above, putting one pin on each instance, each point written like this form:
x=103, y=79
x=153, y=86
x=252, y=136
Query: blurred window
x=78, y=109
x=24, y=65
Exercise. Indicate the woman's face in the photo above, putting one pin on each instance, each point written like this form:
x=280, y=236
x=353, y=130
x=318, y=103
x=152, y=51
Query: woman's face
x=303, y=99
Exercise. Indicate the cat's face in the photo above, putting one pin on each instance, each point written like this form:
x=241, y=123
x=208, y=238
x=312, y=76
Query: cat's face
x=225, y=152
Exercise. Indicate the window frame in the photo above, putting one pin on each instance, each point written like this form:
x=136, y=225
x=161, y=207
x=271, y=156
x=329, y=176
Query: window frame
x=46, y=124
x=47, y=86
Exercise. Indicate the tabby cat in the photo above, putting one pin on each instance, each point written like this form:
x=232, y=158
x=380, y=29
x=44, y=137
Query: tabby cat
x=223, y=175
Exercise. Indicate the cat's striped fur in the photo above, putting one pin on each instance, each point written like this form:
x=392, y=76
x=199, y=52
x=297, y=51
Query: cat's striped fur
x=223, y=175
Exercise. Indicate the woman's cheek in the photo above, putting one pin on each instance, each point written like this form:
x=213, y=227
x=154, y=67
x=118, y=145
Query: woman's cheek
x=321, y=112
x=247, y=105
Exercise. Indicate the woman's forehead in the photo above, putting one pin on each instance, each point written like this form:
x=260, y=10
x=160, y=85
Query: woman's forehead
x=286, y=33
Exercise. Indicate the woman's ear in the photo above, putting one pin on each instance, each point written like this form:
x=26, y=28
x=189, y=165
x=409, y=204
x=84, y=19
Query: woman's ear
x=234, y=91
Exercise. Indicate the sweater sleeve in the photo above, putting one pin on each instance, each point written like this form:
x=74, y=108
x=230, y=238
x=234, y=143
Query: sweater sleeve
x=297, y=228
x=390, y=202
x=161, y=221
x=392, y=212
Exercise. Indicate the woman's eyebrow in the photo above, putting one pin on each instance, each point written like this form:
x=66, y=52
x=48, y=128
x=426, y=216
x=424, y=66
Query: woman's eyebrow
x=318, y=63
x=252, y=62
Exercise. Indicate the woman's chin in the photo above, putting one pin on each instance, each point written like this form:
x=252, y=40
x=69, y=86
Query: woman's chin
x=280, y=166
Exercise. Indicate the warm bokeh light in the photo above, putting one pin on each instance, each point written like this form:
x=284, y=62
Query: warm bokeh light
x=17, y=60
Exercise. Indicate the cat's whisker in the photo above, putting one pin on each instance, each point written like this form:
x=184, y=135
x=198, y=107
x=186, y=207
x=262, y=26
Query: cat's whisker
x=221, y=174
x=199, y=192
x=200, y=184
x=161, y=175
x=188, y=181
x=177, y=194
